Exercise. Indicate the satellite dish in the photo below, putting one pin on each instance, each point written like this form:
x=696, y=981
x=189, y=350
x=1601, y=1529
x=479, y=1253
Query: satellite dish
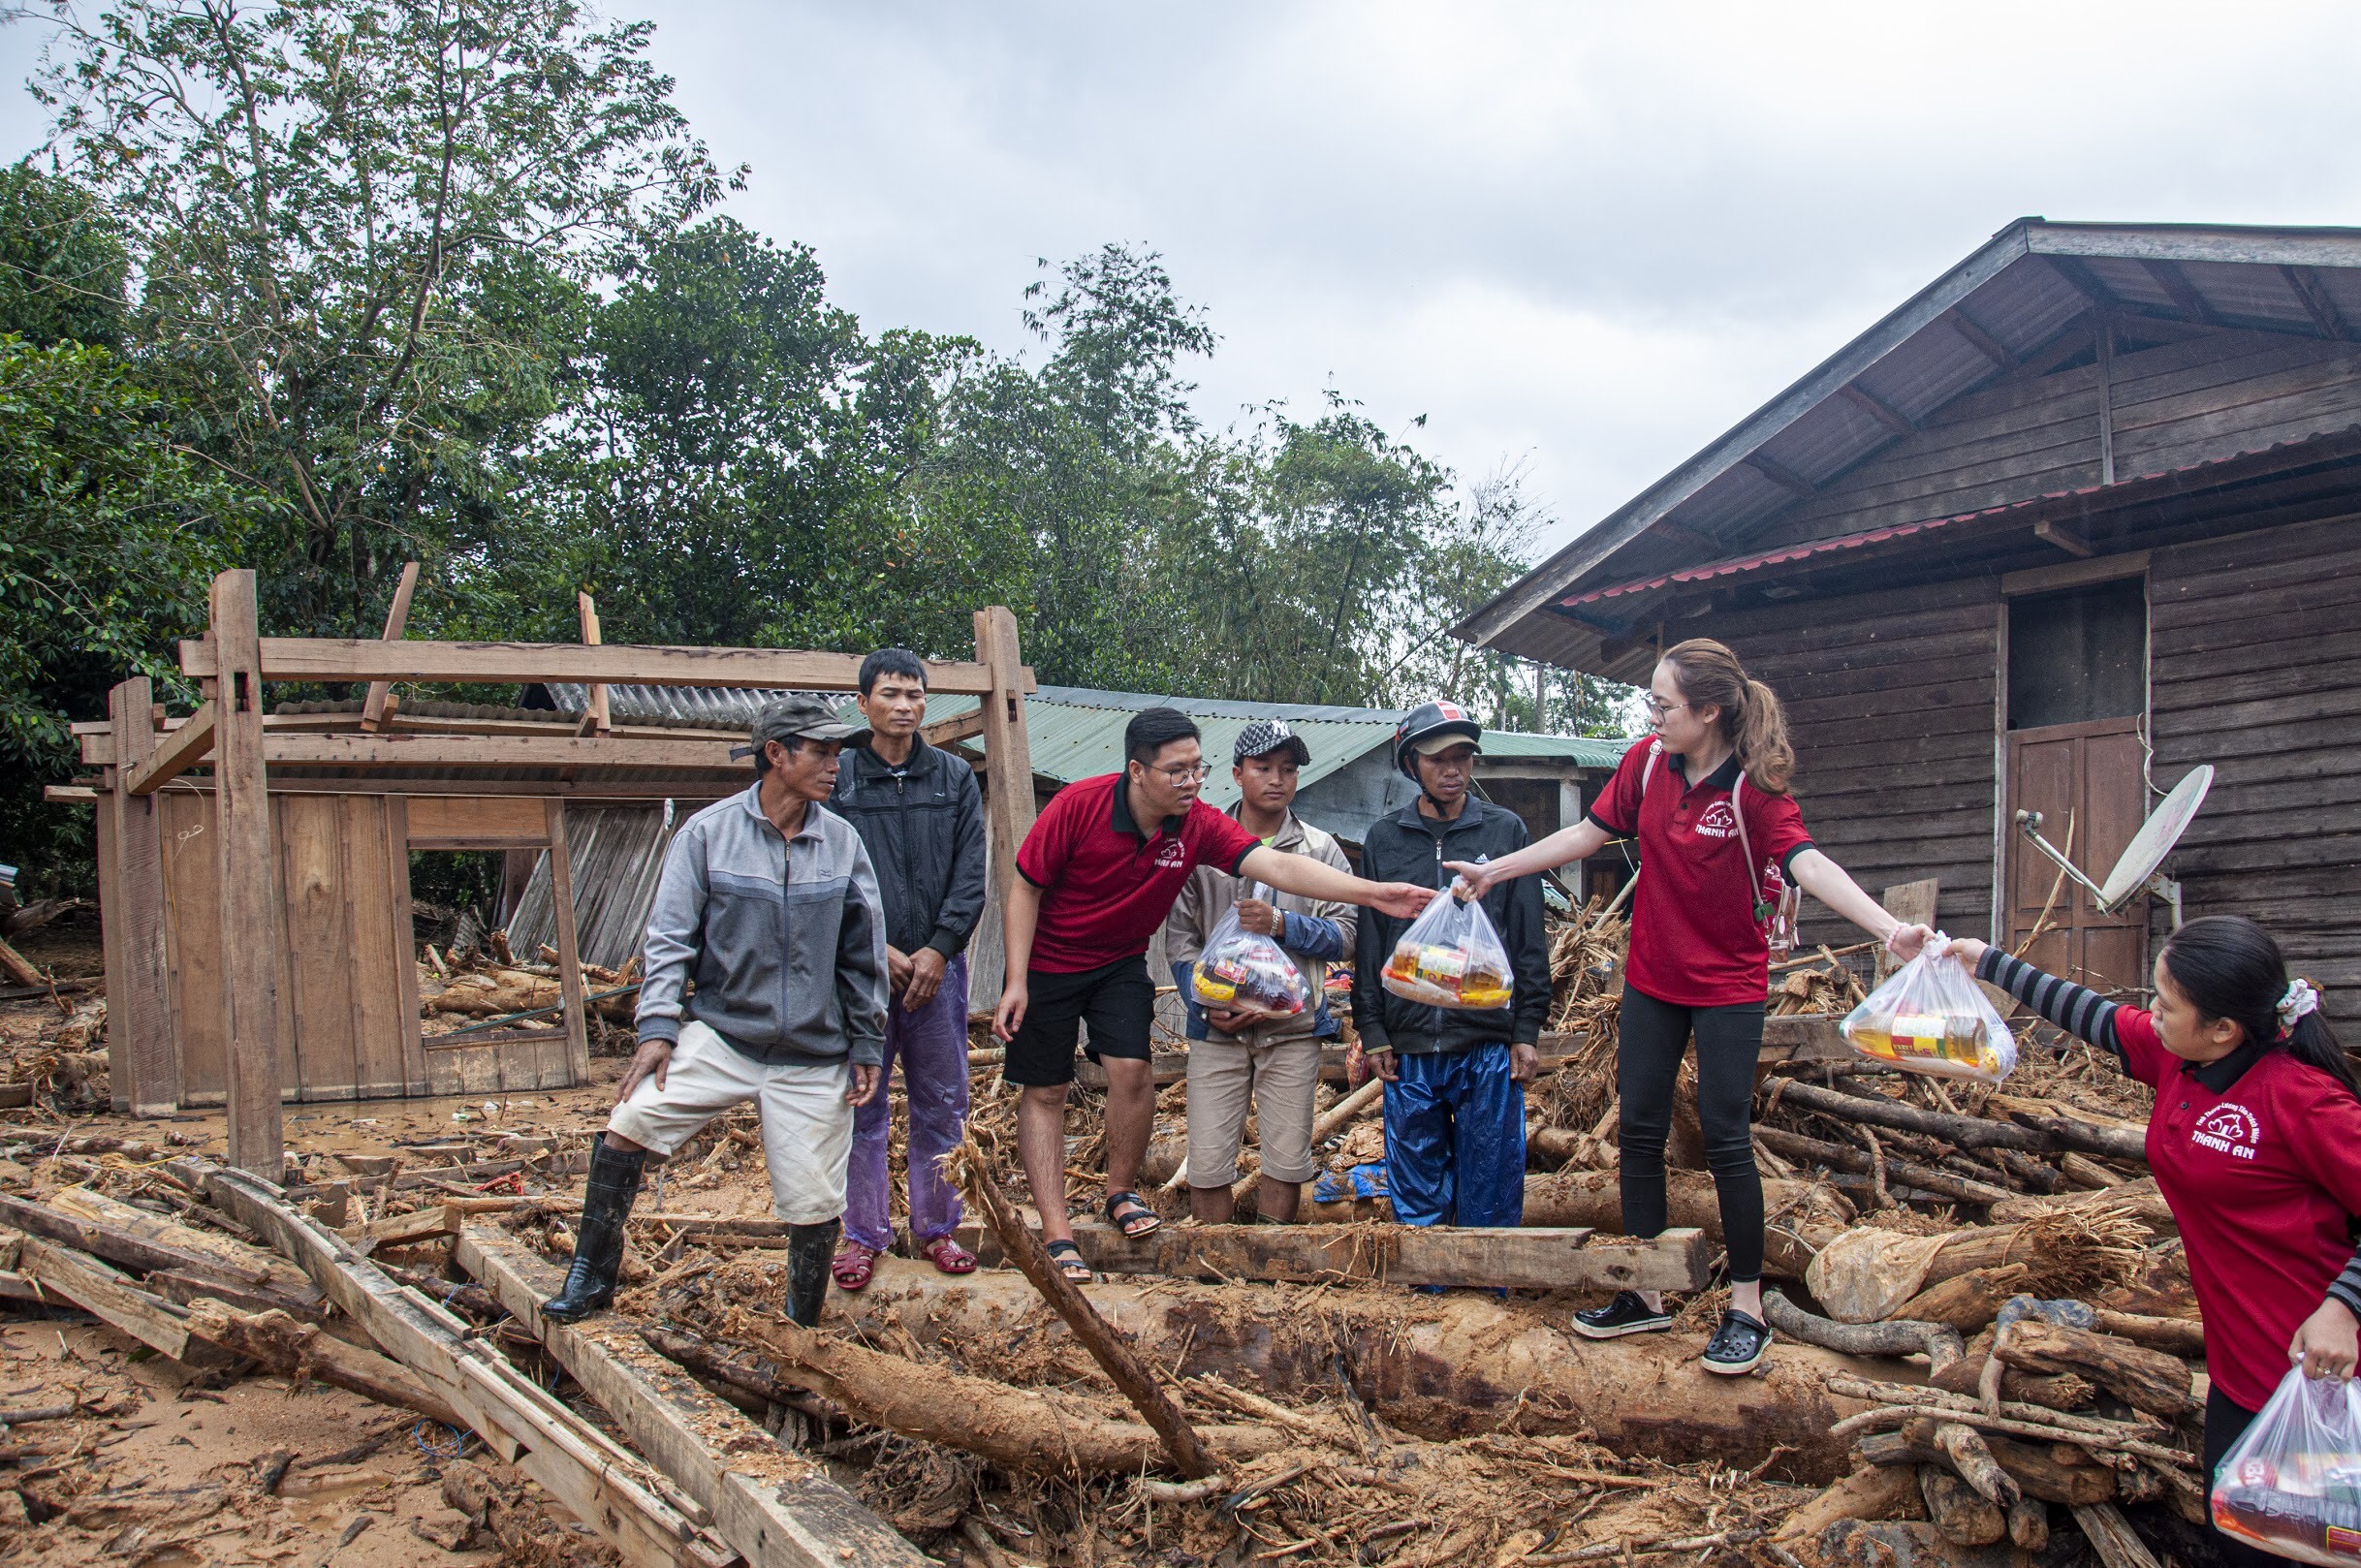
x=2136, y=870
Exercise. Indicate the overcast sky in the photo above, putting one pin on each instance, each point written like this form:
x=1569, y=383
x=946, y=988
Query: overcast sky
x=1583, y=238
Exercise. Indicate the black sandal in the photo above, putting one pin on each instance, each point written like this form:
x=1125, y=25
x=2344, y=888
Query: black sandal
x=1070, y=1263
x=1131, y=1229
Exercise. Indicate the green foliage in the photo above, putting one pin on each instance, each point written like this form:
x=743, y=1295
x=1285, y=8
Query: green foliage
x=114, y=531
x=342, y=210
x=62, y=263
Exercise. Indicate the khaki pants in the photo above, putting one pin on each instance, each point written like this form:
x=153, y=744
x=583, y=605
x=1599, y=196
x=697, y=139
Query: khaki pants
x=807, y=1124
x=1279, y=1079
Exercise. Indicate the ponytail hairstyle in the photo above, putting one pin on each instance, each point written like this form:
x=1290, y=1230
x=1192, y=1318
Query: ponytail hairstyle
x=1751, y=718
x=2229, y=967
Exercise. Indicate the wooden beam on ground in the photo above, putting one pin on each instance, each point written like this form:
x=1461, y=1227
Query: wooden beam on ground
x=777, y=1508
x=1008, y=751
x=503, y=664
x=19, y=968
x=595, y=719
x=250, y=912
x=139, y=1034
x=398, y=620
x=632, y=1507
x=120, y=1244
x=1876, y=408
x=182, y=748
x=98, y=1289
x=1573, y=1258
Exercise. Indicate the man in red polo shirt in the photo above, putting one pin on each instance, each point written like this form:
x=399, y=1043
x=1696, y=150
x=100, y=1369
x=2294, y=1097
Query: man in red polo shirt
x=1096, y=878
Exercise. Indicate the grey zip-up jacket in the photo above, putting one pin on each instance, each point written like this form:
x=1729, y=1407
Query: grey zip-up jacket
x=784, y=938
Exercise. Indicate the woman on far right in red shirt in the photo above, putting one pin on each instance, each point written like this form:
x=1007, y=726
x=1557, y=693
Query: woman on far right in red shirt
x=2255, y=1142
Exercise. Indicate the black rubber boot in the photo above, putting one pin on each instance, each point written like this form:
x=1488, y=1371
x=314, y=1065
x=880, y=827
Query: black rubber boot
x=810, y=1248
x=598, y=1243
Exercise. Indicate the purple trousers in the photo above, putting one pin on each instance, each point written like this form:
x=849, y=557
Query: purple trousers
x=932, y=1044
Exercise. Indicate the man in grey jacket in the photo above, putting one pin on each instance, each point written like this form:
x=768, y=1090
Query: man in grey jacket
x=769, y=904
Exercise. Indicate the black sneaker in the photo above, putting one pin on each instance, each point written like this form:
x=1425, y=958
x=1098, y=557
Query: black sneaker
x=1738, y=1345
x=1628, y=1313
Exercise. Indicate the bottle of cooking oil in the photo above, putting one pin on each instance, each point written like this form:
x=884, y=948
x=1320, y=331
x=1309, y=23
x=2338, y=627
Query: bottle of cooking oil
x=1924, y=1037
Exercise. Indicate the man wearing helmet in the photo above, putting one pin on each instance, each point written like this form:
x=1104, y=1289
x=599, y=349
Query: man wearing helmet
x=1455, y=1079
x=1242, y=1057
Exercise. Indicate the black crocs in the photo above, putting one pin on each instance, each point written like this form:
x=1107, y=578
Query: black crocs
x=1739, y=1344
x=1628, y=1313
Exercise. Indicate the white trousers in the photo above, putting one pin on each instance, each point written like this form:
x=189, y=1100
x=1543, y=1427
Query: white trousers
x=807, y=1124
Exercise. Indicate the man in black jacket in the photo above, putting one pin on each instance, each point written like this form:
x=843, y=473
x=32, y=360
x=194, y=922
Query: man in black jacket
x=1455, y=1079
x=919, y=812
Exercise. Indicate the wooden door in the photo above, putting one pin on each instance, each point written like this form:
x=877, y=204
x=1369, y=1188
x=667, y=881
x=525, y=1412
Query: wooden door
x=2085, y=780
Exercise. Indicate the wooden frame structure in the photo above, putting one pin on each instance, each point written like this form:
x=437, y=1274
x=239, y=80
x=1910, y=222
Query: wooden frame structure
x=256, y=916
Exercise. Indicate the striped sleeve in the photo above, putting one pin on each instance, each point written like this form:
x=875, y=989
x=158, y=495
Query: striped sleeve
x=2080, y=1012
x=2347, y=1286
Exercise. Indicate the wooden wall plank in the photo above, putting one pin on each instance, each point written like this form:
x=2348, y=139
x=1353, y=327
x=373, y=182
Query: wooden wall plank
x=122, y=1071
x=192, y=930
x=139, y=994
x=477, y=822
x=323, y=1055
x=377, y=991
x=405, y=940
x=572, y=1065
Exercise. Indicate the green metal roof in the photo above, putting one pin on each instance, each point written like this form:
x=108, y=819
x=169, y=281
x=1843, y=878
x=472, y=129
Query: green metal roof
x=1077, y=731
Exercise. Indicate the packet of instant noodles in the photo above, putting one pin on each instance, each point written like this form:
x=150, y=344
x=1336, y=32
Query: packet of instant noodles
x=1248, y=972
x=1930, y=1017
x=1450, y=957
x=2291, y=1485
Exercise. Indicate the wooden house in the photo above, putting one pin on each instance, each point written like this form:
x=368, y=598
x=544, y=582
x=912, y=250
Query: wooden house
x=2081, y=514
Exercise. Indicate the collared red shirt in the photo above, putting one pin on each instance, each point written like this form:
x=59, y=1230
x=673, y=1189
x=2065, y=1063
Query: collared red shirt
x=1105, y=883
x=2259, y=1157
x=1694, y=939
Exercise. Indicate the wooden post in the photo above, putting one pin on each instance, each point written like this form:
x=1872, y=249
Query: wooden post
x=249, y=888
x=569, y=954
x=595, y=714
x=139, y=1042
x=1914, y=904
x=1008, y=754
x=373, y=710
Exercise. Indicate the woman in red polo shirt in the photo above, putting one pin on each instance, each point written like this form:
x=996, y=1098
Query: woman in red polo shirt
x=1710, y=787
x=2255, y=1142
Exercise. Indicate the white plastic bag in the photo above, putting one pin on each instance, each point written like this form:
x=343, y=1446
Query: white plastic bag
x=1930, y=1017
x=1248, y=972
x=2293, y=1484
x=1450, y=957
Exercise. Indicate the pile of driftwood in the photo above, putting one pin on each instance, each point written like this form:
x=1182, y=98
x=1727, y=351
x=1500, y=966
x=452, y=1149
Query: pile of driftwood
x=473, y=987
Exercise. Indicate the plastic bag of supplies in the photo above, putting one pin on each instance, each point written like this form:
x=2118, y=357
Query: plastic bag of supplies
x=1247, y=972
x=1930, y=1017
x=1450, y=957
x=2293, y=1484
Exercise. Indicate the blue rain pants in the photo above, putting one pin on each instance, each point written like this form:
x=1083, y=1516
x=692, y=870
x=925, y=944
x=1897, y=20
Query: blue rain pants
x=1455, y=1139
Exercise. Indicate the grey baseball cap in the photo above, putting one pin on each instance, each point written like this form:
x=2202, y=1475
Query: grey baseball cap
x=806, y=717
x=1266, y=735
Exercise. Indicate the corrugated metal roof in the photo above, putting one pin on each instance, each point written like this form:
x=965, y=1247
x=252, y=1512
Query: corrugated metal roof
x=1584, y=751
x=2018, y=289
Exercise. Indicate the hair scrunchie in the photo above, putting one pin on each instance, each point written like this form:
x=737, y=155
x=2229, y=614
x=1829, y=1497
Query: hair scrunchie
x=2300, y=1000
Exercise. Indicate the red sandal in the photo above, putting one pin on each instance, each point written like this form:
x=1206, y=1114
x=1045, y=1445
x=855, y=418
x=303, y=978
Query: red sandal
x=852, y=1266
x=946, y=1254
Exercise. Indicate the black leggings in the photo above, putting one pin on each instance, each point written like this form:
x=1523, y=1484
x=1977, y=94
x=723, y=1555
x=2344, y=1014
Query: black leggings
x=2224, y=1424
x=1650, y=1039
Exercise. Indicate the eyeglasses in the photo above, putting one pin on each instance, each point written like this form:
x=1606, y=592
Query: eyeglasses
x=1184, y=775
x=1657, y=707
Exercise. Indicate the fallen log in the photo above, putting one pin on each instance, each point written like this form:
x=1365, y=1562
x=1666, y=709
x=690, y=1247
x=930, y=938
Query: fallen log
x=1970, y=1301
x=778, y=1509
x=1873, y=1492
x=2029, y=1524
x=1964, y=1377
x=1973, y=1460
x=2035, y=1467
x=2144, y=1379
x=1836, y=1157
x=150, y=1244
x=710, y=1362
x=1531, y=1258
x=1938, y=1342
x=1438, y=1367
x=301, y=1351
x=1966, y=1132
x=1853, y=1543
x=2175, y=1337
x=1030, y=1431
x=1959, y=1515
x=2113, y=1538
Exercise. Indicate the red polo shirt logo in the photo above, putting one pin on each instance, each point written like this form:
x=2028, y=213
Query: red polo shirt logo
x=1717, y=821
x=2228, y=1129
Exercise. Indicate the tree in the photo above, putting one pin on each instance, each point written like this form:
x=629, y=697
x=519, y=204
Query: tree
x=114, y=531
x=62, y=263
x=332, y=204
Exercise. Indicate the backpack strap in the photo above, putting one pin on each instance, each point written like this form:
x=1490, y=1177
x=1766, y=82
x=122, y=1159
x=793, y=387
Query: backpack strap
x=1745, y=848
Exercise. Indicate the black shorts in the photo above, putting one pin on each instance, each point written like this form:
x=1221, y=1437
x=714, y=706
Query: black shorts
x=1119, y=1000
